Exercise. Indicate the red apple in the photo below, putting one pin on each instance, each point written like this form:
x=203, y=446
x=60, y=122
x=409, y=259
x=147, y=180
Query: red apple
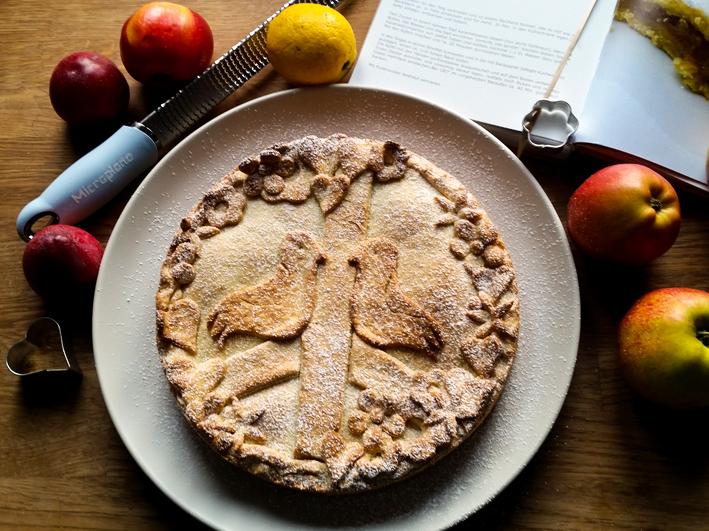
x=163, y=44
x=88, y=88
x=624, y=213
x=62, y=261
x=663, y=344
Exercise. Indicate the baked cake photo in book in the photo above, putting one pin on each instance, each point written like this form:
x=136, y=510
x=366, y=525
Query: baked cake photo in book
x=635, y=78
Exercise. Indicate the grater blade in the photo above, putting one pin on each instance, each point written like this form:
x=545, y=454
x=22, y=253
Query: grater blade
x=167, y=123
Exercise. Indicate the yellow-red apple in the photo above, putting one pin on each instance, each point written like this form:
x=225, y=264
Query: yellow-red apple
x=663, y=345
x=87, y=88
x=624, y=213
x=163, y=44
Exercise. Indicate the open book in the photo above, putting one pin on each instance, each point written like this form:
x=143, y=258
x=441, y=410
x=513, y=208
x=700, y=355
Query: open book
x=492, y=61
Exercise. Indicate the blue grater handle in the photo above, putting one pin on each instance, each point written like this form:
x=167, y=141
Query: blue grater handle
x=92, y=181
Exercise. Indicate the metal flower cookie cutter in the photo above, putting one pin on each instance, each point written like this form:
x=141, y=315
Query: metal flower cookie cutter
x=42, y=353
x=553, y=120
x=549, y=125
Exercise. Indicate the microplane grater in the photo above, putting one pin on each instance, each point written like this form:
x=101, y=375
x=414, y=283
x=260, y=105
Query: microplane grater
x=101, y=174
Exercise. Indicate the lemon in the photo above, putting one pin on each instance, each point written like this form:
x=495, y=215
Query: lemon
x=310, y=44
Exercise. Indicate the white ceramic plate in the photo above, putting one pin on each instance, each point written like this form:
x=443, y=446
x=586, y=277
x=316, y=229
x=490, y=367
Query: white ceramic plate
x=190, y=472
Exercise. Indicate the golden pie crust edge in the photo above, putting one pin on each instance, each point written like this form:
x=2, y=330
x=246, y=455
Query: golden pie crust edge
x=446, y=406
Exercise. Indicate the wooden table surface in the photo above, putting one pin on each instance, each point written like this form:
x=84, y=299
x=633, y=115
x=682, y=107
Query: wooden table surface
x=612, y=460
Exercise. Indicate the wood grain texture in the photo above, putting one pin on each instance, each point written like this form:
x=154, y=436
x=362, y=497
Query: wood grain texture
x=612, y=460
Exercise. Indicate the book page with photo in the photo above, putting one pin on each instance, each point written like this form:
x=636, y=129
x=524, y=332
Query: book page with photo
x=492, y=61
x=638, y=110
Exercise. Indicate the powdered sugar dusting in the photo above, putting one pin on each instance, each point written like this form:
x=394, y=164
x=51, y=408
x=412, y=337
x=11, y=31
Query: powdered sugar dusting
x=144, y=411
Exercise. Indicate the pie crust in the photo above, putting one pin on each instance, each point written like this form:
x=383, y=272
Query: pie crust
x=336, y=314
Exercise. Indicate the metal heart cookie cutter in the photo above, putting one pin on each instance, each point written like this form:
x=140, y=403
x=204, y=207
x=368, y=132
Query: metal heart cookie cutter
x=42, y=353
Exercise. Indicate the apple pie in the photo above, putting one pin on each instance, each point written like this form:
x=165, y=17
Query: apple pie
x=336, y=314
x=680, y=29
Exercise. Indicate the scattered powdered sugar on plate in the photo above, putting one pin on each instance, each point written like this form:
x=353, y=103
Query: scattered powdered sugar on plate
x=219, y=494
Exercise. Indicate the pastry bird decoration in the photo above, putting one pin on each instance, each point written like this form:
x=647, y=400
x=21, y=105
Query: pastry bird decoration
x=280, y=307
x=380, y=312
